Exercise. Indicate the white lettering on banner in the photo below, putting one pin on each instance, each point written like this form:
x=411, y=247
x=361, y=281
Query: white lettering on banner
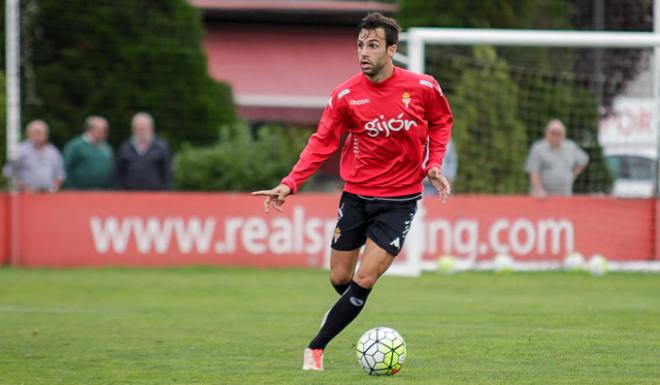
x=195, y=233
x=466, y=236
x=256, y=234
x=555, y=229
x=297, y=234
x=433, y=228
x=525, y=226
x=518, y=237
x=152, y=234
x=313, y=233
x=231, y=229
x=380, y=124
x=281, y=241
x=253, y=235
x=298, y=228
x=106, y=232
x=494, y=236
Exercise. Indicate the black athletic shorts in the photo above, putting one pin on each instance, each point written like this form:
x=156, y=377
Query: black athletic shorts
x=386, y=221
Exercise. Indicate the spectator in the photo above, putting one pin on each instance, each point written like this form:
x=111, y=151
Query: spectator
x=449, y=169
x=88, y=158
x=143, y=162
x=554, y=162
x=38, y=165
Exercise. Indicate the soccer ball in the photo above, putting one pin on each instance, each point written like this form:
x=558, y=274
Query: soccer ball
x=597, y=265
x=574, y=262
x=447, y=264
x=381, y=351
x=503, y=263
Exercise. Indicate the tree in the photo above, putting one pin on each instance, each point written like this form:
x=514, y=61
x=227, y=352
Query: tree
x=537, y=14
x=3, y=120
x=548, y=84
x=115, y=58
x=615, y=67
x=490, y=139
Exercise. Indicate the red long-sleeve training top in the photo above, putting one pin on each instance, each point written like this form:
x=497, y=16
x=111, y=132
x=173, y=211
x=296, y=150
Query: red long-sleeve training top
x=397, y=130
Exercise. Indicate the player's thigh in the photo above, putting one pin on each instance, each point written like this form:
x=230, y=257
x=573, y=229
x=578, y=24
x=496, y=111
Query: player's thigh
x=351, y=230
x=375, y=262
x=342, y=265
x=389, y=224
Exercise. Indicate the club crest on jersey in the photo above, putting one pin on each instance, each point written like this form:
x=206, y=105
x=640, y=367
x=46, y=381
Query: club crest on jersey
x=337, y=234
x=405, y=98
x=382, y=124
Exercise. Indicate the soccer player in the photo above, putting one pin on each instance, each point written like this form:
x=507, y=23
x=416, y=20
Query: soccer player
x=398, y=125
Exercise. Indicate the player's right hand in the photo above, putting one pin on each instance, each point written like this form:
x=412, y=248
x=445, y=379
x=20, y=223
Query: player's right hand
x=275, y=197
x=440, y=183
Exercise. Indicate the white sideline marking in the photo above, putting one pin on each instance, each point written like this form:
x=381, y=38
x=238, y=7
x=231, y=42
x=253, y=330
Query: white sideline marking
x=29, y=310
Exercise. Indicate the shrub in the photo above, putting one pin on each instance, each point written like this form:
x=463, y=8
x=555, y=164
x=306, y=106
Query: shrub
x=242, y=161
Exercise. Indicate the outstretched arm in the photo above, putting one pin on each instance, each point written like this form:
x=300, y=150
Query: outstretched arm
x=321, y=145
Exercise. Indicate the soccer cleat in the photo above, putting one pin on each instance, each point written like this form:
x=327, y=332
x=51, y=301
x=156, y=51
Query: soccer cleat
x=313, y=359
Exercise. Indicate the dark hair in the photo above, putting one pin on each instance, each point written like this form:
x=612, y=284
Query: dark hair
x=377, y=20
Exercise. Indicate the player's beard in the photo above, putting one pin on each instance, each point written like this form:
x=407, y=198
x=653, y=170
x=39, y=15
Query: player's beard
x=376, y=68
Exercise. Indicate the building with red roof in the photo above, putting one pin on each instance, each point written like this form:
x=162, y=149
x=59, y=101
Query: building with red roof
x=283, y=57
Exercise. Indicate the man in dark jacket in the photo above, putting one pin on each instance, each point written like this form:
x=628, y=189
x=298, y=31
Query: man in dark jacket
x=143, y=161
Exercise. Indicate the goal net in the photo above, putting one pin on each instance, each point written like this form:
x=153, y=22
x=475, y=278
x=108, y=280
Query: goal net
x=505, y=87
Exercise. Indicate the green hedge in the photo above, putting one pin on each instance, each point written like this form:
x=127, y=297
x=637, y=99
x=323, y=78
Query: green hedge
x=242, y=161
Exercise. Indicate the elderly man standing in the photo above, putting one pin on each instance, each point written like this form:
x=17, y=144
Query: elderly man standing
x=88, y=158
x=143, y=161
x=38, y=165
x=554, y=162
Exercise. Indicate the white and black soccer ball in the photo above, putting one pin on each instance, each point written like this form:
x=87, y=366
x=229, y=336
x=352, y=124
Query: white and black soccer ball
x=381, y=351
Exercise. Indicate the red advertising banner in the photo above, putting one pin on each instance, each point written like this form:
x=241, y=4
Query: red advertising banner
x=159, y=229
x=656, y=230
x=4, y=229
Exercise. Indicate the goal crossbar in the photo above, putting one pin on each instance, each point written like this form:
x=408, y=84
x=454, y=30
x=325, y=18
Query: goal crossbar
x=418, y=37
x=536, y=38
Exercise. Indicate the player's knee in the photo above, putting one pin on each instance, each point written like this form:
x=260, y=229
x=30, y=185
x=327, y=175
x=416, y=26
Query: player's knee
x=365, y=279
x=340, y=276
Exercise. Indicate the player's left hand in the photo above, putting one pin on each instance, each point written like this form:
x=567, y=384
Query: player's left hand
x=440, y=183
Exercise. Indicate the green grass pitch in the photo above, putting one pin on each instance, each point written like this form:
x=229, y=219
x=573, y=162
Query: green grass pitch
x=243, y=326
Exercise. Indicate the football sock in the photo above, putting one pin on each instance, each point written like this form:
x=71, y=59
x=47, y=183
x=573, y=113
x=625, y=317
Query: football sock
x=343, y=312
x=341, y=288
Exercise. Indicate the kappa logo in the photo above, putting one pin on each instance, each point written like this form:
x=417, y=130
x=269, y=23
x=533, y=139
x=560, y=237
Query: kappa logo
x=396, y=243
x=381, y=124
x=359, y=102
x=356, y=301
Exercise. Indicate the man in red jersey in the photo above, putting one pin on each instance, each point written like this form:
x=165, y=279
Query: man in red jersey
x=398, y=126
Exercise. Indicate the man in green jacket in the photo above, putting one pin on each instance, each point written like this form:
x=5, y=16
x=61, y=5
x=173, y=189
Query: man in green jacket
x=88, y=158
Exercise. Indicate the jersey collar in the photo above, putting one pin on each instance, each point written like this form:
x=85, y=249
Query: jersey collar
x=385, y=82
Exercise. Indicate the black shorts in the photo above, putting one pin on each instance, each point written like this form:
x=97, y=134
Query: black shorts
x=386, y=221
